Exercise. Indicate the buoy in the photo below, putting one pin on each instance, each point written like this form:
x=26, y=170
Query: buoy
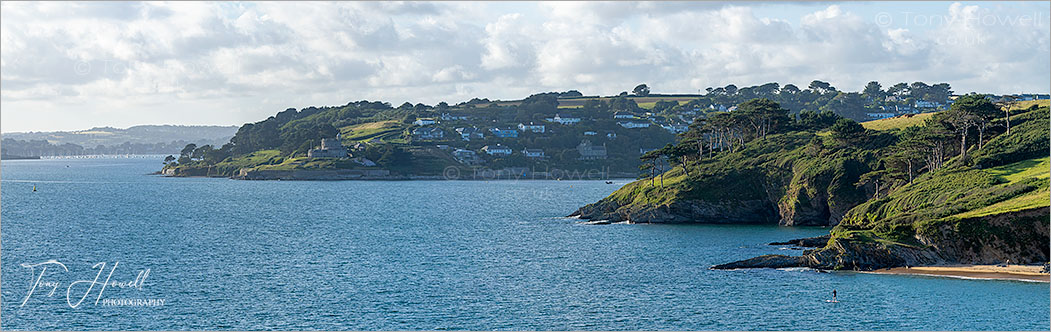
x=34, y=187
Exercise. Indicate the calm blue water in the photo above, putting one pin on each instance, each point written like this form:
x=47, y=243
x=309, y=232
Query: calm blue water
x=244, y=255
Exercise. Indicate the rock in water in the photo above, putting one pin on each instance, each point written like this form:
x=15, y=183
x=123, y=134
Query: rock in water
x=810, y=242
x=765, y=261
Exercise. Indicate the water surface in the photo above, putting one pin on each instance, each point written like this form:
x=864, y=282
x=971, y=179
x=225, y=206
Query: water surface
x=408, y=255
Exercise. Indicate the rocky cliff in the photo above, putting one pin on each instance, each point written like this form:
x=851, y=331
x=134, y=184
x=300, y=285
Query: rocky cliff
x=1019, y=237
x=790, y=180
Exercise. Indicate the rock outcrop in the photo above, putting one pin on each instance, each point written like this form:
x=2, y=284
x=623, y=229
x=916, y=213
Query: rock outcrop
x=809, y=242
x=1021, y=237
x=683, y=211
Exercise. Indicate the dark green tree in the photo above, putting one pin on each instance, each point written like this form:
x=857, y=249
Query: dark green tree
x=641, y=90
x=847, y=130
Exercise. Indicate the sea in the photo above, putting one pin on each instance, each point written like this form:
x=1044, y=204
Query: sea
x=103, y=244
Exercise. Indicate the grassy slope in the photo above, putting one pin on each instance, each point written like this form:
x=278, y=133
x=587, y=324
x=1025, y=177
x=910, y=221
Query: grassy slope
x=955, y=193
x=903, y=121
x=1033, y=170
x=898, y=122
x=783, y=169
x=263, y=157
x=1026, y=104
x=389, y=131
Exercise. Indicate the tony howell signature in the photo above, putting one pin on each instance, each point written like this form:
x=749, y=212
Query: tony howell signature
x=87, y=285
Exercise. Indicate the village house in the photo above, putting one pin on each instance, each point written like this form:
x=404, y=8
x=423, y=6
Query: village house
x=330, y=148
x=451, y=117
x=633, y=124
x=531, y=127
x=424, y=122
x=497, y=150
x=590, y=133
x=565, y=121
x=533, y=153
x=928, y=104
x=504, y=132
x=364, y=162
x=428, y=133
x=589, y=151
x=880, y=115
x=467, y=157
x=470, y=132
x=623, y=115
x=675, y=128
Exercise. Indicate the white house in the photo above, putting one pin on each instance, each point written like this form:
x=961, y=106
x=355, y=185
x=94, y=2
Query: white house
x=675, y=128
x=623, y=115
x=424, y=122
x=565, y=121
x=504, y=132
x=451, y=117
x=928, y=104
x=531, y=127
x=632, y=124
x=533, y=153
x=497, y=150
x=468, y=133
x=428, y=133
x=590, y=133
x=880, y=115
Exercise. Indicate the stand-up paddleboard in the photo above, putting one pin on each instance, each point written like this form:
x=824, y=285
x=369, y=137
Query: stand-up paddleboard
x=831, y=301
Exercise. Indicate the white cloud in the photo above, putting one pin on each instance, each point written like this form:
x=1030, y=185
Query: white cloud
x=73, y=65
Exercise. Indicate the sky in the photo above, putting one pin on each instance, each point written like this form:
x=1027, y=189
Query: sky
x=70, y=66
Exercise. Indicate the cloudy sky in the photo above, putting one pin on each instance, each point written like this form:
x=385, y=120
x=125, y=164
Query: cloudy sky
x=72, y=66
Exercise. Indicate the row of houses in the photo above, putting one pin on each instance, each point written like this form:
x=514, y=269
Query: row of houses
x=469, y=133
x=585, y=149
x=503, y=150
x=1023, y=97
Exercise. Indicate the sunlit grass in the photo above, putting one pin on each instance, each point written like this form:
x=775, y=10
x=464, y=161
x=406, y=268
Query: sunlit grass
x=898, y=122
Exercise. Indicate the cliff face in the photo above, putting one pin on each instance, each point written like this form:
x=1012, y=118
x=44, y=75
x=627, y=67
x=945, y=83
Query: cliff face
x=794, y=184
x=1021, y=237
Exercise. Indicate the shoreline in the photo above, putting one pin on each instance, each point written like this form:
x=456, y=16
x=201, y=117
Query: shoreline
x=1029, y=273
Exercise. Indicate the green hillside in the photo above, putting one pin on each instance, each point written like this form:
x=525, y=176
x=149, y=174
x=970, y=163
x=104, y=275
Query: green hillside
x=905, y=183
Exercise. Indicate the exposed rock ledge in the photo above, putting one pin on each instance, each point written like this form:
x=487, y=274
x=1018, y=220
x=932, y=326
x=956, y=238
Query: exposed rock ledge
x=810, y=242
x=845, y=255
x=1020, y=237
x=682, y=211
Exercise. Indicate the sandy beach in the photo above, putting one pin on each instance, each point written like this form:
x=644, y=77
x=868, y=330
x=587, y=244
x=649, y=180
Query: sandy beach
x=1011, y=272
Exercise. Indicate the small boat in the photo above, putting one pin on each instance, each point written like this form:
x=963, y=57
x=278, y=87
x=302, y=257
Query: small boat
x=609, y=182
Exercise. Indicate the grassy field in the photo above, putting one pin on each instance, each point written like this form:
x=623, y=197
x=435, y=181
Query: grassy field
x=1026, y=104
x=384, y=130
x=898, y=122
x=1035, y=169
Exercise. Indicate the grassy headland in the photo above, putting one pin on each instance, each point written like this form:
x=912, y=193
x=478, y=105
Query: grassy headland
x=947, y=187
